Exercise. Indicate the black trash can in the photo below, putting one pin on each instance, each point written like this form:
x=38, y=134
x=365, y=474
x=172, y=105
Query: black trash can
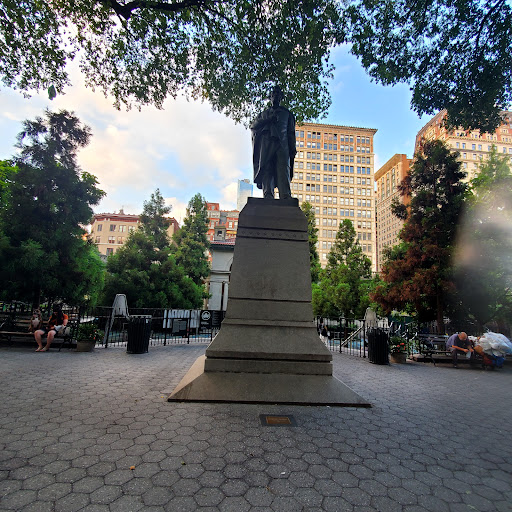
x=139, y=332
x=378, y=351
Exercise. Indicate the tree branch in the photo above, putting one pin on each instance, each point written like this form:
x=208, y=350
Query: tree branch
x=126, y=10
x=491, y=11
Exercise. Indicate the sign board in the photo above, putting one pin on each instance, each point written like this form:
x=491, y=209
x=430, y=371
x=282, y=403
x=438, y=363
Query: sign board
x=217, y=317
x=206, y=319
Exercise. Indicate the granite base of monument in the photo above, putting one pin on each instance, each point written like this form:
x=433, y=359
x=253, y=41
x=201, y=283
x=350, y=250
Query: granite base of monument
x=268, y=349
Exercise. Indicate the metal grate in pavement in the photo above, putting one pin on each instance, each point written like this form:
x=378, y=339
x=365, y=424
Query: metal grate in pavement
x=272, y=420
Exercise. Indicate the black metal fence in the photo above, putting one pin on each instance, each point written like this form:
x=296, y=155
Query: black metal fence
x=350, y=335
x=344, y=335
x=168, y=326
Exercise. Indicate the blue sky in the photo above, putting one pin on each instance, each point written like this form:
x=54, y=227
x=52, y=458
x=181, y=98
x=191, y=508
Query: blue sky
x=187, y=148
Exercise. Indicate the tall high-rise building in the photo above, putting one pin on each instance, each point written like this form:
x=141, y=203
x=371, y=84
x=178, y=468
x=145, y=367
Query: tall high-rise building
x=387, y=179
x=333, y=170
x=243, y=192
x=472, y=145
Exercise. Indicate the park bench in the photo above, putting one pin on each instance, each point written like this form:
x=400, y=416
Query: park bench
x=14, y=327
x=432, y=348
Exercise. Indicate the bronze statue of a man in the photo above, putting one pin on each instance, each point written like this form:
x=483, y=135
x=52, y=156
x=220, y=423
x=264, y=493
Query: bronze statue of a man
x=273, y=142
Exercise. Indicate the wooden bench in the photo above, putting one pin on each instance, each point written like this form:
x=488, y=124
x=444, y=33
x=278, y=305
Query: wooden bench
x=15, y=327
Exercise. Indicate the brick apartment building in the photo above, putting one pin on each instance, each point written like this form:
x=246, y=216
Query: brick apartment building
x=110, y=230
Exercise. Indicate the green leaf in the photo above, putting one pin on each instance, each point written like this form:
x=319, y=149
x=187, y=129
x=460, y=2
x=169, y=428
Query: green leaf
x=52, y=93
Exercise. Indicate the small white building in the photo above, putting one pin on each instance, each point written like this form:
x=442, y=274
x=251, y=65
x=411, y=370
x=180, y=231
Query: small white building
x=222, y=251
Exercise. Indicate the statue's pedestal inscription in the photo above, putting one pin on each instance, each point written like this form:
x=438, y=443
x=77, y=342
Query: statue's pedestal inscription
x=268, y=350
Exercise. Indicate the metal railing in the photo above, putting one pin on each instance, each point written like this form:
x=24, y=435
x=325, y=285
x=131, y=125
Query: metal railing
x=168, y=326
x=350, y=335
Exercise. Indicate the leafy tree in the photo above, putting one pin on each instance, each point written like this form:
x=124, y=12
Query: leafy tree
x=483, y=267
x=149, y=277
x=314, y=260
x=43, y=250
x=229, y=53
x=7, y=172
x=342, y=290
x=418, y=272
x=455, y=55
x=153, y=221
x=192, y=243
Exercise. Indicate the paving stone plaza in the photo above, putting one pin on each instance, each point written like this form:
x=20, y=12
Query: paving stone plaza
x=94, y=432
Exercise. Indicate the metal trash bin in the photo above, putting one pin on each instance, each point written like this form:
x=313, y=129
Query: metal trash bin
x=378, y=346
x=139, y=332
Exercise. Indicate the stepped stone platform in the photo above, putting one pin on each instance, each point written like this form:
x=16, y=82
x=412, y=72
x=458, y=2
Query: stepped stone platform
x=268, y=350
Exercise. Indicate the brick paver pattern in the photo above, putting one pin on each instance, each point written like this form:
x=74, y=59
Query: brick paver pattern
x=94, y=432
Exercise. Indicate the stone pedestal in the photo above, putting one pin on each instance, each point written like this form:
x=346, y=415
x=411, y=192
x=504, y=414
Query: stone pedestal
x=268, y=349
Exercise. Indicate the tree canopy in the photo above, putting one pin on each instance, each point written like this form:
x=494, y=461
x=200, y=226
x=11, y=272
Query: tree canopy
x=153, y=221
x=483, y=268
x=7, y=171
x=145, y=268
x=138, y=52
x=192, y=243
x=419, y=271
x=342, y=289
x=454, y=54
x=314, y=259
x=150, y=278
x=48, y=200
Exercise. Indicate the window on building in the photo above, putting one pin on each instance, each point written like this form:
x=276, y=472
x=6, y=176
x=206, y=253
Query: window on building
x=100, y=227
x=98, y=239
x=111, y=239
x=110, y=251
x=112, y=227
x=120, y=239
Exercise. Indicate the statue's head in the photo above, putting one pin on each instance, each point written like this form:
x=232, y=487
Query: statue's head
x=276, y=95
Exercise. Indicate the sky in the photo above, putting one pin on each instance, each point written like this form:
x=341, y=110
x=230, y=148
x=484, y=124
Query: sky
x=186, y=148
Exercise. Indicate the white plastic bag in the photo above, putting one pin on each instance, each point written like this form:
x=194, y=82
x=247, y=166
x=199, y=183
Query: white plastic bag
x=495, y=344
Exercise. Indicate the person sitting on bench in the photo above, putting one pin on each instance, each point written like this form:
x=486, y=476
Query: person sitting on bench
x=57, y=322
x=459, y=343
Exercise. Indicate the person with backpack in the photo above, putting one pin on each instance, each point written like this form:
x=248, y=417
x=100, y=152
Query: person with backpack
x=56, y=323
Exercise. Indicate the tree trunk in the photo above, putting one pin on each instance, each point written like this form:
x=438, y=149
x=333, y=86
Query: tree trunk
x=36, y=297
x=440, y=314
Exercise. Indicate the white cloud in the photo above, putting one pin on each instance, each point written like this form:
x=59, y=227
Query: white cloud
x=179, y=208
x=183, y=149
x=229, y=197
